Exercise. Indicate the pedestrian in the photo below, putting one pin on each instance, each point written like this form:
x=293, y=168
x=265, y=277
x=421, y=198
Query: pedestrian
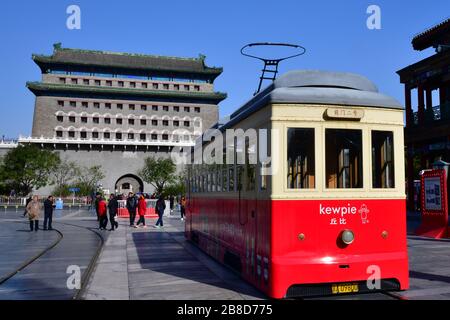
x=103, y=219
x=183, y=207
x=34, y=213
x=160, y=207
x=172, y=202
x=98, y=197
x=131, y=207
x=26, y=205
x=113, y=206
x=48, y=213
x=142, y=209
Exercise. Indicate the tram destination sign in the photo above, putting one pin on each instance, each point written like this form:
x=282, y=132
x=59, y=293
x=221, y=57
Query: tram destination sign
x=344, y=113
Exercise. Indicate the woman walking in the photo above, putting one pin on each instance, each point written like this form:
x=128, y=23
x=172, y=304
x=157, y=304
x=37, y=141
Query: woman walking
x=103, y=219
x=34, y=212
x=160, y=207
x=142, y=208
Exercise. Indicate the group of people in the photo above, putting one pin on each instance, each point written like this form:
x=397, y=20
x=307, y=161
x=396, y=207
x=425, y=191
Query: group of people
x=136, y=205
x=33, y=208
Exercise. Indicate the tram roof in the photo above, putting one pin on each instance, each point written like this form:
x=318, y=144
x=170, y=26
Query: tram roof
x=317, y=87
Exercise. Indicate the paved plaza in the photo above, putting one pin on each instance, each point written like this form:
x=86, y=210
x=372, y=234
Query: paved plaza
x=156, y=264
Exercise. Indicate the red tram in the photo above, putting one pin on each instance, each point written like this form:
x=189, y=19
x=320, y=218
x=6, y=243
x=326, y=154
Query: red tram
x=323, y=211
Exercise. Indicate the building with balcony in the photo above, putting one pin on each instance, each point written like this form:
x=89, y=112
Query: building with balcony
x=427, y=132
x=115, y=109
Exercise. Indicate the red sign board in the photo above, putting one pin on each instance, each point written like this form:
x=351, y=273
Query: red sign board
x=434, y=204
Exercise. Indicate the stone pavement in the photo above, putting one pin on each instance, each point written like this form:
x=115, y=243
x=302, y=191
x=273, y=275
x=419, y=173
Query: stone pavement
x=46, y=277
x=154, y=264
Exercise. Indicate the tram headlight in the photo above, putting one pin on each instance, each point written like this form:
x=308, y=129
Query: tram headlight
x=347, y=237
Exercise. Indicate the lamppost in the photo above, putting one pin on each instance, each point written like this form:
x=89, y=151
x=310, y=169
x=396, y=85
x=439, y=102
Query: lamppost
x=441, y=164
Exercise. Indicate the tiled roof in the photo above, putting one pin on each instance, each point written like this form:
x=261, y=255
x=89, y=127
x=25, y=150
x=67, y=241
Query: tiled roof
x=126, y=61
x=427, y=38
x=39, y=88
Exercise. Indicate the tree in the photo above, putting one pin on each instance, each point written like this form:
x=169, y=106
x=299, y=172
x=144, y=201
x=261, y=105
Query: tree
x=28, y=167
x=158, y=172
x=63, y=175
x=88, y=177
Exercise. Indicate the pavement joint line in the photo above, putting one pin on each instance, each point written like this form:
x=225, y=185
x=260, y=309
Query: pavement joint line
x=184, y=245
x=33, y=259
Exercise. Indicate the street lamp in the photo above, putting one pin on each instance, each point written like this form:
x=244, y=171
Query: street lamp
x=441, y=164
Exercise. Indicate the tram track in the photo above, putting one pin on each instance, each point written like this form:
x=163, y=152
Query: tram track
x=86, y=274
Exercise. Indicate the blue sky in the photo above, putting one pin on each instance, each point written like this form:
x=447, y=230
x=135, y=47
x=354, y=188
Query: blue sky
x=334, y=33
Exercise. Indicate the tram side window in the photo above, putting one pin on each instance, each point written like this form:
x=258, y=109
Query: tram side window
x=301, y=160
x=231, y=178
x=383, y=160
x=343, y=158
x=225, y=179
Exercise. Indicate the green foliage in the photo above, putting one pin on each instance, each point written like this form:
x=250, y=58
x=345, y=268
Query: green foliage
x=178, y=188
x=84, y=178
x=89, y=177
x=63, y=176
x=28, y=167
x=62, y=191
x=159, y=173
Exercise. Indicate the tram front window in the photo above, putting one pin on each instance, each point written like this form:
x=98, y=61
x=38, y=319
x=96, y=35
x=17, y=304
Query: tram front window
x=301, y=167
x=343, y=158
x=383, y=159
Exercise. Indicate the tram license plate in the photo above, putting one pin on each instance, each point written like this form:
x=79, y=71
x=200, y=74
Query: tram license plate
x=344, y=288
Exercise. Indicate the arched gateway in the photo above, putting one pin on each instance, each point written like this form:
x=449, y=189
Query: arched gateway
x=129, y=183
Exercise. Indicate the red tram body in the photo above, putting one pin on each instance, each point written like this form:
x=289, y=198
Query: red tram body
x=332, y=217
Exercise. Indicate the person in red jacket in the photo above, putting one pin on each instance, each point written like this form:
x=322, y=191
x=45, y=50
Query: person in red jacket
x=142, y=208
x=102, y=214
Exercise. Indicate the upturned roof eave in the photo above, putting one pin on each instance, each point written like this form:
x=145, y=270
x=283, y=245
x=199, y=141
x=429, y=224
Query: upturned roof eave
x=42, y=61
x=37, y=87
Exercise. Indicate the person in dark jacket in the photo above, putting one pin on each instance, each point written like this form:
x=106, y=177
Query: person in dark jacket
x=113, y=206
x=48, y=213
x=131, y=207
x=172, y=203
x=160, y=207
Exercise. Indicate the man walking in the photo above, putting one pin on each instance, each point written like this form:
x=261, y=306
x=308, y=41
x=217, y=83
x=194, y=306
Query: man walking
x=113, y=206
x=48, y=213
x=160, y=207
x=172, y=203
x=131, y=207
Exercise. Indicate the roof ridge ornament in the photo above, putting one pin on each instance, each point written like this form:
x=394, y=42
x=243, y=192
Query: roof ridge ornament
x=57, y=46
x=271, y=65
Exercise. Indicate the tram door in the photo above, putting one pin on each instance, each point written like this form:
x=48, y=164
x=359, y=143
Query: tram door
x=246, y=183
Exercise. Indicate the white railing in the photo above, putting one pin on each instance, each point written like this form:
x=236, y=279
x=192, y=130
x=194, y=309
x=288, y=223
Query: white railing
x=135, y=142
